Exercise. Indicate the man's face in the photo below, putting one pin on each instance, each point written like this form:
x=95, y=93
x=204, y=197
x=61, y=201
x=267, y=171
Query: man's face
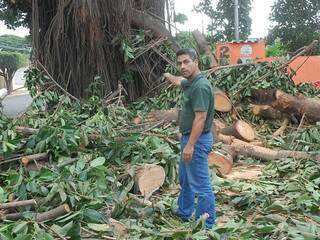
x=187, y=66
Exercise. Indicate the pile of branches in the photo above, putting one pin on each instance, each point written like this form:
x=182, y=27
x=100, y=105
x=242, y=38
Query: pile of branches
x=101, y=169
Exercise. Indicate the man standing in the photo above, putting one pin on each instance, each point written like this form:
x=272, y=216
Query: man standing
x=196, y=142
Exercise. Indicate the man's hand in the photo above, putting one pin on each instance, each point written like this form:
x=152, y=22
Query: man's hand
x=167, y=76
x=175, y=80
x=187, y=152
x=171, y=115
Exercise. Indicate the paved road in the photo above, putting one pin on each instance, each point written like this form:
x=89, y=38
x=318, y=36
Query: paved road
x=14, y=105
x=20, y=100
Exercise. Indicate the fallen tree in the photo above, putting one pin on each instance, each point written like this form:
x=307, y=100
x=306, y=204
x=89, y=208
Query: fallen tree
x=291, y=105
x=204, y=48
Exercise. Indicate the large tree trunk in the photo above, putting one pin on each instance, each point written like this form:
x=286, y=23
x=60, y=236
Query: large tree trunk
x=78, y=41
x=291, y=105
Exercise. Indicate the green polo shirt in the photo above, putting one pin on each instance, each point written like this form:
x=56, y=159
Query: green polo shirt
x=197, y=97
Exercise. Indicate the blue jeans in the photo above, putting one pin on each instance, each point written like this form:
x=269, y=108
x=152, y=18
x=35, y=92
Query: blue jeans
x=195, y=181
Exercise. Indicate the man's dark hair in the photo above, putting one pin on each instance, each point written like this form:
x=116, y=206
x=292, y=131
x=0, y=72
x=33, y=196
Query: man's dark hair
x=188, y=51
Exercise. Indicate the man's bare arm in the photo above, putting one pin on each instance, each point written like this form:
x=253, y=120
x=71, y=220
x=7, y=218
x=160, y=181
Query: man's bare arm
x=175, y=80
x=197, y=128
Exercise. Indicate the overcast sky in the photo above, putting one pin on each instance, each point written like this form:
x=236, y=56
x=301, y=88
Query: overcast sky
x=259, y=14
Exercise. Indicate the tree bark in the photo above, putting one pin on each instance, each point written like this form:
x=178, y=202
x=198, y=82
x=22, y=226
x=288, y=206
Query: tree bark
x=267, y=154
x=204, y=48
x=40, y=217
x=288, y=104
x=266, y=112
x=53, y=214
x=145, y=21
x=15, y=204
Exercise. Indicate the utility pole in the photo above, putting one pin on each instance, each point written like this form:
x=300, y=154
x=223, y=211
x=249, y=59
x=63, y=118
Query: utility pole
x=236, y=19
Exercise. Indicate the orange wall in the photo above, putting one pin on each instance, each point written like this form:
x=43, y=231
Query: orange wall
x=241, y=50
x=307, y=69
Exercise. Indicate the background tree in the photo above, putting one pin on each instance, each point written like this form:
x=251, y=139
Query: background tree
x=15, y=13
x=297, y=23
x=15, y=44
x=81, y=41
x=222, y=18
x=10, y=62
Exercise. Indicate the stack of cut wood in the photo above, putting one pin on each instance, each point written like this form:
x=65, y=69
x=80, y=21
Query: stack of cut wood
x=240, y=138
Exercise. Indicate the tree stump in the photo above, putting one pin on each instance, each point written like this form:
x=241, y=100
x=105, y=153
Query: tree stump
x=149, y=178
x=223, y=161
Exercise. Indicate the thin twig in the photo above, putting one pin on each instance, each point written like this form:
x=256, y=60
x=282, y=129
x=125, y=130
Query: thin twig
x=300, y=124
x=153, y=126
x=59, y=86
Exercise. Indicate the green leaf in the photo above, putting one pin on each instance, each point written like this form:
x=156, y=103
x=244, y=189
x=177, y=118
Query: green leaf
x=93, y=216
x=21, y=227
x=99, y=227
x=3, y=195
x=97, y=162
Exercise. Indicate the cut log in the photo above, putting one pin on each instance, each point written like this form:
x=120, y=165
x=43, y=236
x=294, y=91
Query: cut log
x=35, y=157
x=222, y=161
x=149, y=178
x=53, y=214
x=267, y=154
x=11, y=216
x=266, y=112
x=204, y=48
x=288, y=104
x=221, y=101
x=16, y=204
x=240, y=130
